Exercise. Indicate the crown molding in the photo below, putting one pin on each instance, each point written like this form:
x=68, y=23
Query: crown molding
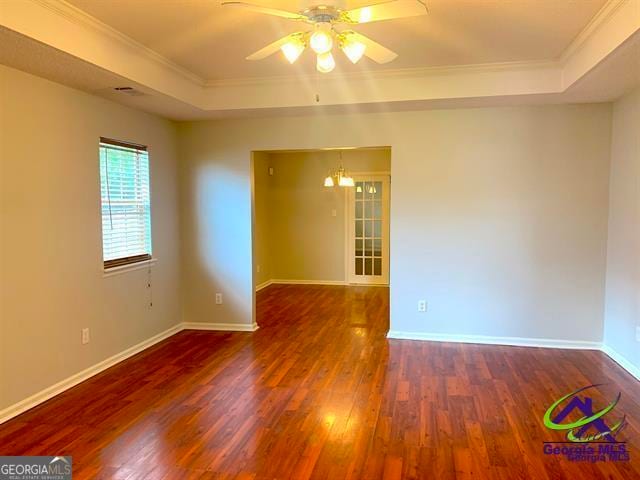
x=603, y=15
x=398, y=73
x=83, y=19
x=615, y=23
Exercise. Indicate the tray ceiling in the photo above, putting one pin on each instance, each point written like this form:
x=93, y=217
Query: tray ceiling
x=212, y=41
x=186, y=57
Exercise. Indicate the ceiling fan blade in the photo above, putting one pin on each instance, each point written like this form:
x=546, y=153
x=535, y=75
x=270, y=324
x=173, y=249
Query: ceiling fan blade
x=266, y=10
x=385, y=11
x=373, y=50
x=272, y=47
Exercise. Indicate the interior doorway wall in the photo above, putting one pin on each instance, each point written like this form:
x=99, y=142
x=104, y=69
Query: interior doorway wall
x=300, y=227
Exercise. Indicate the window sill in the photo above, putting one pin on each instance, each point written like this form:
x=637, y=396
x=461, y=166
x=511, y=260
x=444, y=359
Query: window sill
x=143, y=265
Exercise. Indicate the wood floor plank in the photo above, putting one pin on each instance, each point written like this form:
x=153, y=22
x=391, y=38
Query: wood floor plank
x=319, y=392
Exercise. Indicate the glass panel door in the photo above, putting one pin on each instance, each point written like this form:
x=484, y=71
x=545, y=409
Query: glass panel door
x=369, y=207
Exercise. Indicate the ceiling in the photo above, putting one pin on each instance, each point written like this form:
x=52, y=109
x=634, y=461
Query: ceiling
x=212, y=41
x=186, y=58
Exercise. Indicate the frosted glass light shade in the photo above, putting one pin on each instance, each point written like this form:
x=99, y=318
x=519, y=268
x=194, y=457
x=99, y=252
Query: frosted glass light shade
x=321, y=40
x=325, y=63
x=292, y=50
x=354, y=50
x=346, y=182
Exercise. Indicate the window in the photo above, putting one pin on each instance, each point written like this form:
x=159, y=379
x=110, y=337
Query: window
x=126, y=203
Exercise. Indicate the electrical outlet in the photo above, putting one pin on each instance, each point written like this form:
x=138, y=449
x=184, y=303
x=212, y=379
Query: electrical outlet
x=334, y=213
x=422, y=305
x=638, y=333
x=218, y=299
x=85, y=336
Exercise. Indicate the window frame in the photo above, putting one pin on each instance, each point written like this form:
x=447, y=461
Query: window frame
x=132, y=260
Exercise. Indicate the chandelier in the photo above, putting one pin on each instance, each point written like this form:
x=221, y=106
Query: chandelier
x=339, y=177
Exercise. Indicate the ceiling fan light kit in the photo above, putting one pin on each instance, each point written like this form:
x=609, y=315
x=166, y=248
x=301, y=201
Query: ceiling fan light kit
x=324, y=35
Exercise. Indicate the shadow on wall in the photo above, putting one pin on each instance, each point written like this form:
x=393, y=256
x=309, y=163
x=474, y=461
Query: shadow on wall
x=221, y=219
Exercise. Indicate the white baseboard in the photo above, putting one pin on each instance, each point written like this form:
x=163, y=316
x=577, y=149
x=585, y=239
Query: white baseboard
x=482, y=339
x=263, y=285
x=314, y=282
x=49, y=392
x=307, y=282
x=73, y=380
x=521, y=342
x=222, y=327
x=622, y=361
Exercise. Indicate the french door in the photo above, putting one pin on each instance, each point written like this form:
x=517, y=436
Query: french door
x=368, y=230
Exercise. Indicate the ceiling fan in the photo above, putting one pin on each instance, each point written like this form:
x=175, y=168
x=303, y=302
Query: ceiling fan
x=322, y=37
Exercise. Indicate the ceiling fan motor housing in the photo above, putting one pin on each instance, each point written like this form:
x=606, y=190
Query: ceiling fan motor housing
x=322, y=14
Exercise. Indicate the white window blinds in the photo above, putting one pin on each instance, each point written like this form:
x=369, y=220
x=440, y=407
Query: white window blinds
x=126, y=203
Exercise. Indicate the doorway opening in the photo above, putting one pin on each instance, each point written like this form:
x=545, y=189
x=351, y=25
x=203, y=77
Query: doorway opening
x=321, y=220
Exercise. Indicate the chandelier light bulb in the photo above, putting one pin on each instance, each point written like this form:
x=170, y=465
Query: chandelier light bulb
x=325, y=63
x=321, y=40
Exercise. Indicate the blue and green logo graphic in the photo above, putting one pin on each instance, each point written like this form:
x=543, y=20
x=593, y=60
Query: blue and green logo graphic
x=589, y=428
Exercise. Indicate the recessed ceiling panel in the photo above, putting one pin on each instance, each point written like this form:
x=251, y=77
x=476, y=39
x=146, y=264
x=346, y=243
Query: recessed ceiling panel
x=212, y=41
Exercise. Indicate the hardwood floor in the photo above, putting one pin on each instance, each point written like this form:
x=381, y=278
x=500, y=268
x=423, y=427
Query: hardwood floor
x=319, y=392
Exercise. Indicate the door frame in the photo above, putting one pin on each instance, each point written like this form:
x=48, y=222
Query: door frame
x=385, y=178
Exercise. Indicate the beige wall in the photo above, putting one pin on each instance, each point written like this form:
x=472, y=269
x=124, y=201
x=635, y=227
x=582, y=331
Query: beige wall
x=51, y=277
x=499, y=220
x=297, y=236
x=498, y=215
x=622, y=314
x=261, y=218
